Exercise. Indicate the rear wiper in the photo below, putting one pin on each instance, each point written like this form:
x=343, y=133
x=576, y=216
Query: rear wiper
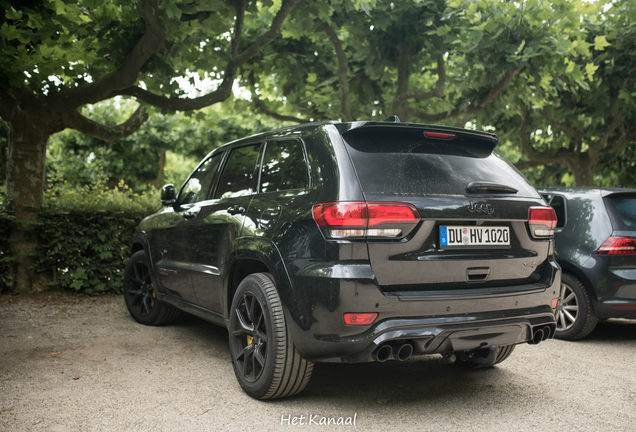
x=477, y=186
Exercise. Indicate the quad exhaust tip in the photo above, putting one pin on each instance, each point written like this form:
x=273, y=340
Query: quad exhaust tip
x=400, y=352
x=383, y=353
x=404, y=352
x=539, y=335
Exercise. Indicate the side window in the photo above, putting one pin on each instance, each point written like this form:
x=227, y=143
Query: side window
x=558, y=204
x=237, y=176
x=198, y=187
x=284, y=167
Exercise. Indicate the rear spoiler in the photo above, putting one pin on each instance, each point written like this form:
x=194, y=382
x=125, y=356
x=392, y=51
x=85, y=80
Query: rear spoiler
x=364, y=127
x=355, y=127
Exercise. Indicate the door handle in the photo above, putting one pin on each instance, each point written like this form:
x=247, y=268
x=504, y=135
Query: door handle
x=191, y=212
x=234, y=210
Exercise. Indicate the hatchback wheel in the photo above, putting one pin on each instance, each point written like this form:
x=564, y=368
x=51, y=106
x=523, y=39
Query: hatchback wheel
x=575, y=314
x=140, y=295
x=265, y=360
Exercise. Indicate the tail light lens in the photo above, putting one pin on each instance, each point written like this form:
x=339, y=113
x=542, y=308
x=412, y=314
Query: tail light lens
x=542, y=221
x=618, y=246
x=439, y=135
x=362, y=219
x=359, y=318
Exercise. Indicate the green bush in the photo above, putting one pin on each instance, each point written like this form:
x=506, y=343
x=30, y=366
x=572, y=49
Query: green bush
x=84, y=237
x=6, y=281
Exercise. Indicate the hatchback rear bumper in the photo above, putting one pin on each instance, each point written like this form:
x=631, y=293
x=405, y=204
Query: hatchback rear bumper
x=616, y=293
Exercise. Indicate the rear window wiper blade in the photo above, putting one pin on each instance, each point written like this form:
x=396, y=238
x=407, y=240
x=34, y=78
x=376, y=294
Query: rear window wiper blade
x=478, y=186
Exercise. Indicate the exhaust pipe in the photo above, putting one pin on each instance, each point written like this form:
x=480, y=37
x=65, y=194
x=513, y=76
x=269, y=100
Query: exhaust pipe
x=546, y=332
x=383, y=353
x=404, y=352
x=537, y=337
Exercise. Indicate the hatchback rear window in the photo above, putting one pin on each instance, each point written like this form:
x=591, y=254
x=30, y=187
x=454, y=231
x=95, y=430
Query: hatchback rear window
x=622, y=209
x=406, y=163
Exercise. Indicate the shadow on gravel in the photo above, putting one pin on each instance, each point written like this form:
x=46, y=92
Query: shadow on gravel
x=614, y=331
x=424, y=381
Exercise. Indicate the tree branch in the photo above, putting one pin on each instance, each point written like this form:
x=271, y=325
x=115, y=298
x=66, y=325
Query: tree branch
x=343, y=69
x=273, y=114
x=404, y=62
x=526, y=146
x=267, y=110
x=474, y=109
x=238, y=27
x=616, y=120
x=529, y=164
x=269, y=36
x=224, y=91
x=108, y=133
x=561, y=126
x=438, y=91
x=151, y=42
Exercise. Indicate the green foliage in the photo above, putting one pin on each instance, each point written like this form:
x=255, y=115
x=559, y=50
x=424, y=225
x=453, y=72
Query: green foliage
x=75, y=159
x=84, y=237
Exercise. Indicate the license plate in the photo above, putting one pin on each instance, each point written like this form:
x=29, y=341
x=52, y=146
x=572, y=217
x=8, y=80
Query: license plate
x=459, y=236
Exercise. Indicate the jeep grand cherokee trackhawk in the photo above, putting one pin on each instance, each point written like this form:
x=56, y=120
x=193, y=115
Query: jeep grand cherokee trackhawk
x=351, y=242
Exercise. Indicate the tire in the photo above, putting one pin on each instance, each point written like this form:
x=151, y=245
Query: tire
x=141, y=298
x=265, y=361
x=503, y=353
x=575, y=312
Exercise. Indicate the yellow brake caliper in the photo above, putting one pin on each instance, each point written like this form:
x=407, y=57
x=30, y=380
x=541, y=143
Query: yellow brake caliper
x=249, y=338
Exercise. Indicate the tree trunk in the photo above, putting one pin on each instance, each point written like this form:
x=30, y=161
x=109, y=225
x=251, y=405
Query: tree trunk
x=404, y=60
x=157, y=181
x=582, y=167
x=28, y=136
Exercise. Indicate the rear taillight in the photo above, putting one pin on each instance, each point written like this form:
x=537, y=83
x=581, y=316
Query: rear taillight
x=541, y=221
x=359, y=318
x=439, y=135
x=618, y=246
x=362, y=219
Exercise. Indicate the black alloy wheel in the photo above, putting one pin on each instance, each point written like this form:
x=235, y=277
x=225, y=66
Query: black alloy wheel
x=141, y=292
x=140, y=295
x=250, y=337
x=265, y=360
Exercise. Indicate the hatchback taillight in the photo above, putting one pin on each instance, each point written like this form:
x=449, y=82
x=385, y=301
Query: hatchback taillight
x=362, y=219
x=618, y=246
x=541, y=221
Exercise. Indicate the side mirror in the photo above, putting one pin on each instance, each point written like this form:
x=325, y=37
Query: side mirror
x=168, y=195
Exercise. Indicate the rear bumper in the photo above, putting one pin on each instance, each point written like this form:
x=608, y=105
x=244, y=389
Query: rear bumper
x=615, y=289
x=439, y=335
x=432, y=322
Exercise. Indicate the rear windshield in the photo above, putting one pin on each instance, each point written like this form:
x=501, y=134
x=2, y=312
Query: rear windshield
x=622, y=209
x=408, y=164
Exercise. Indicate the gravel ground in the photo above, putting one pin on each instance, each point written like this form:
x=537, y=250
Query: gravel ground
x=70, y=364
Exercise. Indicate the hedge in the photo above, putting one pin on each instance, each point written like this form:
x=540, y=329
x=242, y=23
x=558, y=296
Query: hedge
x=6, y=220
x=84, y=237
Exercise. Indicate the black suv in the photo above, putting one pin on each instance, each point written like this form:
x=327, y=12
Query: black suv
x=596, y=247
x=351, y=242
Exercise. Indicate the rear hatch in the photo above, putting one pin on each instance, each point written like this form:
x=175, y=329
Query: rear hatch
x=474, y=208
